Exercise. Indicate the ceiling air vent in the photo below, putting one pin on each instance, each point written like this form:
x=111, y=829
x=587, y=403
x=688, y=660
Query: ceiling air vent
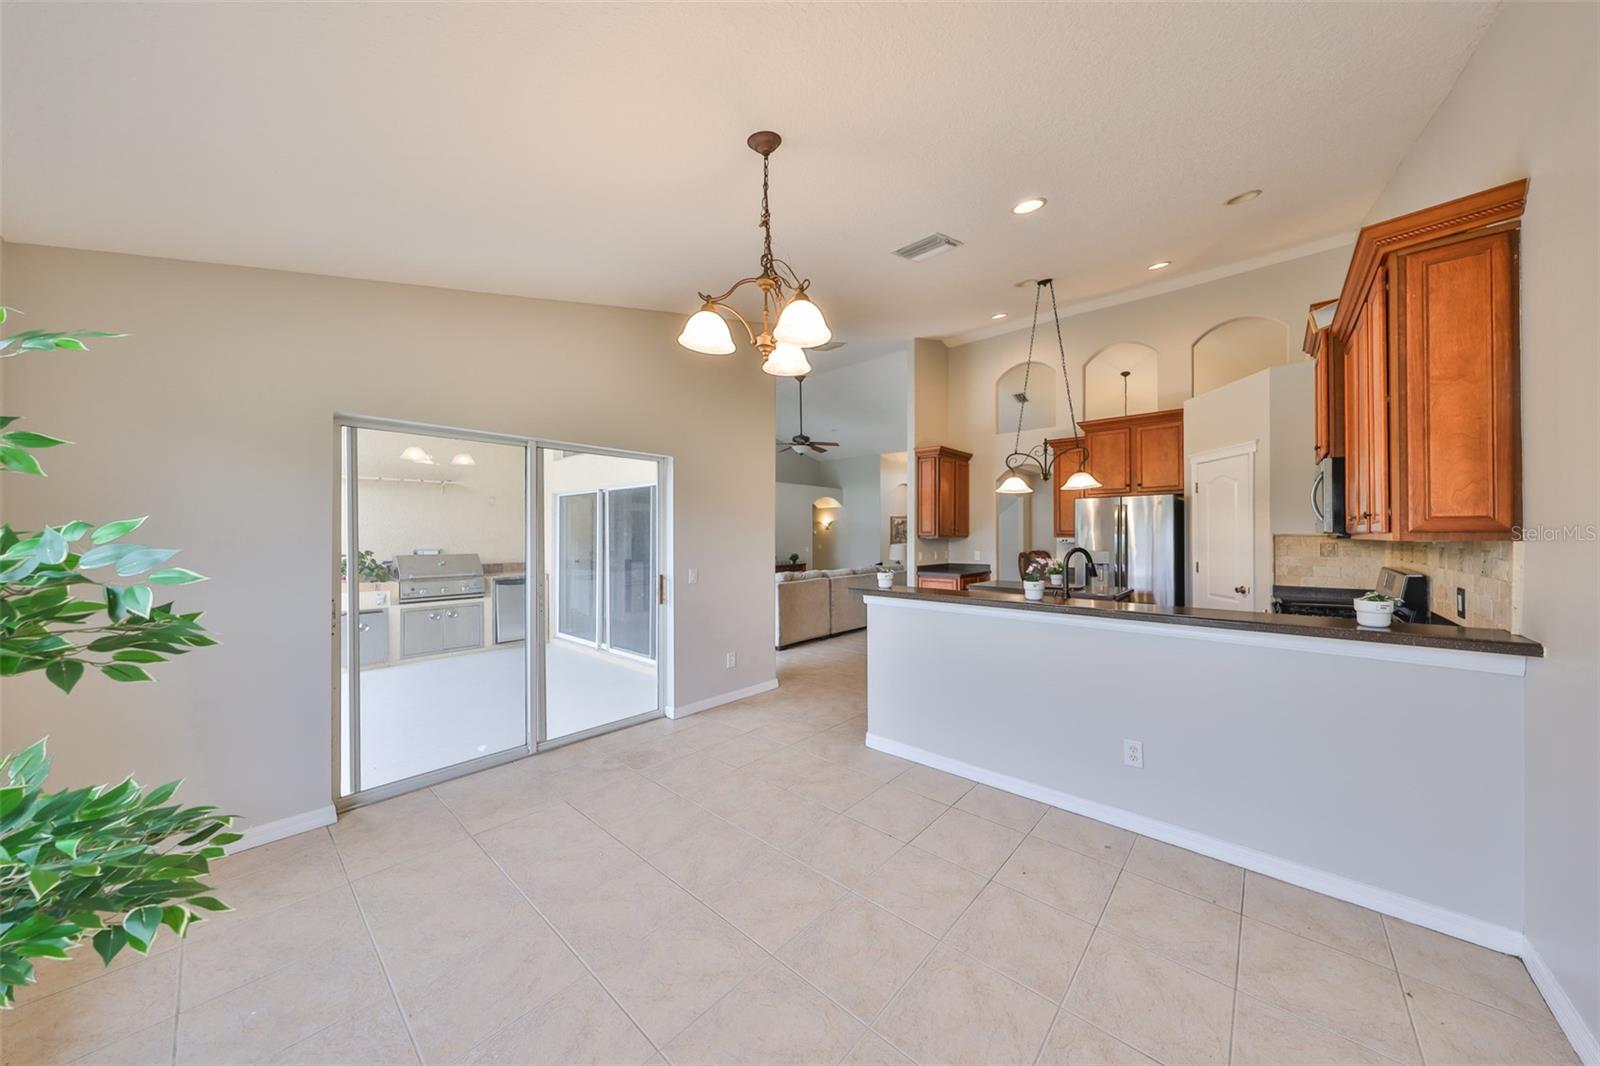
x=931, y=245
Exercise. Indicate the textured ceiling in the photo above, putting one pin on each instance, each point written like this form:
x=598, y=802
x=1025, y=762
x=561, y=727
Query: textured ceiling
x=596, y=153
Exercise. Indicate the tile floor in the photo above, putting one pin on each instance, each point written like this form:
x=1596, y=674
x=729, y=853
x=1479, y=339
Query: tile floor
x=754, y=885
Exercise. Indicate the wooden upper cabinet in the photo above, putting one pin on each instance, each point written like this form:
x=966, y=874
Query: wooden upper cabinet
x=1459, y=369
x=944, y=504
x=1135, y=455
x=1065, y=453
x=1426, y=331
x=1328, y=378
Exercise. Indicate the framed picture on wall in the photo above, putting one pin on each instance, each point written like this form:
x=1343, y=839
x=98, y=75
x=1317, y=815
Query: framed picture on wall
x=897, y=529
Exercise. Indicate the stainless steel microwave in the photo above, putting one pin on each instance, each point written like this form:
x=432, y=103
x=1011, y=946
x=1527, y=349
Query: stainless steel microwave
x=1327, y=496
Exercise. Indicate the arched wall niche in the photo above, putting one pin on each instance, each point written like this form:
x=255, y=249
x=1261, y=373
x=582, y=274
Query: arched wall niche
x=1236, y=349
x=1040, y=410
x=1103, y=380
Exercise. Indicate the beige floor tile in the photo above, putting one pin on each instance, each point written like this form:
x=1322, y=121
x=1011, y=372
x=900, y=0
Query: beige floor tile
x=1074, y=1042
x=375, y=1035
x=581, y=1025
x=714, y=853
x=1187, y=930
x=263, y=944
x=1472, y=971
x=93, y=1014
x=923, y=889
x=607, y=925
x=956, y=1010
x=1263, y=1035
x=934, y=784
x=240, y=863
x=556, y=855
x=1023, y=939
x=858, y=954
x=773, y=899
x=847, y=851
x=617, y=797
x=893, y=810
x=787, y=766
x=688, y=774
x=1353, y=998
x=1094, y=839
x=1198, y=875
x=256, y=888
x=653, y=827
x=744, y=750
x=1062, y=878
x=836, y=787
x=679, y=971
x=151, y=1046
x=969, y=841
x=1456, y=1029
x=1151, y=1003
x=380, y=835
x=261, y=1020
x=874, y=1050
x=495, y=796
x=58, y=975
x=770, y=1017
x=845, y=745
x=1352, y=929
x=1016, y=812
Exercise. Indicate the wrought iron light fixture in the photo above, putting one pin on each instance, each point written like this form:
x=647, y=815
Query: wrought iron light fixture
x=1014, y=484
x=799, y=323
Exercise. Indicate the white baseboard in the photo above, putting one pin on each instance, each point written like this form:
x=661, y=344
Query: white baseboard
x=1395, y=904
x=1579, y=1035
x=686, y=709
x=267, y=832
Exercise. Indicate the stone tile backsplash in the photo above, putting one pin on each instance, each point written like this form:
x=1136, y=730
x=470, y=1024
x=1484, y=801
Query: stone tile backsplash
x=1488, y=570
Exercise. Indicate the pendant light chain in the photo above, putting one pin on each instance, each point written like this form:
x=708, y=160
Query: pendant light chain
x=766, y=218
x=1027, y=373
x=1062, y=346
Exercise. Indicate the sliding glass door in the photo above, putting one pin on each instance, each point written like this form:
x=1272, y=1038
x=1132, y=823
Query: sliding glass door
x=602, y=566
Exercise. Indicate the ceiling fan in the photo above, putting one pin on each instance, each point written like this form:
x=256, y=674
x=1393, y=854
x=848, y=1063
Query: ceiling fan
x=800, y=442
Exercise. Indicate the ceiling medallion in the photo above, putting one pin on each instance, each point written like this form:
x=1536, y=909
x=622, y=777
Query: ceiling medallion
x=799, y=323
x=1039, y=457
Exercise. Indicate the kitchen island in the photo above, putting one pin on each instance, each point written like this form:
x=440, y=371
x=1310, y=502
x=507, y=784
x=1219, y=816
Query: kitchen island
x=1380, y=767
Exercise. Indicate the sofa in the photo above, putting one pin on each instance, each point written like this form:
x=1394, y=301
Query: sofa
x=818, y=603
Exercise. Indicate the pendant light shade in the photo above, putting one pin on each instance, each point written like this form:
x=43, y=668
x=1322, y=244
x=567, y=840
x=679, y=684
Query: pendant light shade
x=1080, y=479
x=1014, y=485
x=707, y=333
x=801, y=324
x=786, y=361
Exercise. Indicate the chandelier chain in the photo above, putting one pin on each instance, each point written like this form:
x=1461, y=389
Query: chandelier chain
x=1027, y=372
x=766, y=219
x=1062, y=346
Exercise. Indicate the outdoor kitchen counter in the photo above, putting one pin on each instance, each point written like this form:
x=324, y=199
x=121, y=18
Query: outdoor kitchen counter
x=1401, y=634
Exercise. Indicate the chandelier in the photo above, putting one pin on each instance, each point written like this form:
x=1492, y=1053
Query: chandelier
x=1039, y=456
x=799, y=323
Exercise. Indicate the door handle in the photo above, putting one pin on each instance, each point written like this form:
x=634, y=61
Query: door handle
x=1241, y=590
x=661, y=589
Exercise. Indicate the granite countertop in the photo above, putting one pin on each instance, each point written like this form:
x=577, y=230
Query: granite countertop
x=953, y=568
x=1455, y=638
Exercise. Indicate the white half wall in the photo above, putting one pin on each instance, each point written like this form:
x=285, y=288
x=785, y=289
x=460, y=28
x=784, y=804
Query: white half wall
x=216, y=417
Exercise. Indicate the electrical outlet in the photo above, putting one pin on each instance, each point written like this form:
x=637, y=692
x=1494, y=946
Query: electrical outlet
x=730, y=661
x=977, y=556
x=694, y=575
x=1133, y=754
x=1461, y=602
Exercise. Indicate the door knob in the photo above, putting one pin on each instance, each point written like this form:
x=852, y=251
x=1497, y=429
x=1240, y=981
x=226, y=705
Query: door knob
x=1241, y=590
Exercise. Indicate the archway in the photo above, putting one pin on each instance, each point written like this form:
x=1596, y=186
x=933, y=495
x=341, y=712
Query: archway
x=1236, y=349
x=1120, y=379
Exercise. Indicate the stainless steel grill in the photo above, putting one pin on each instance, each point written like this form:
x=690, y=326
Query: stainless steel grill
x=439, y=577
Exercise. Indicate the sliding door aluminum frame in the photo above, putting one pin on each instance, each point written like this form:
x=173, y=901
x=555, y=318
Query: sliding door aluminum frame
x=534, y=593
x=602, y=582
x=554, y=580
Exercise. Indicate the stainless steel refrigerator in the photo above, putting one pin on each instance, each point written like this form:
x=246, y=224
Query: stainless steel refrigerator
x=1141, y=539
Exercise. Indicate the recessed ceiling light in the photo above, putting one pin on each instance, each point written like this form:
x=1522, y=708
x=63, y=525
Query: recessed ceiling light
x=996, y=318
x=1159, y=266
x=1243, y=198
x=1029, y=206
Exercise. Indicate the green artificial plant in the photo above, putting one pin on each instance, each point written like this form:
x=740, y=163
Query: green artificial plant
x=109, y=863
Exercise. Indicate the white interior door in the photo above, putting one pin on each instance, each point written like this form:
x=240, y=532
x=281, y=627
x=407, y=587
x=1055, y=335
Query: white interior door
x=1224, y=531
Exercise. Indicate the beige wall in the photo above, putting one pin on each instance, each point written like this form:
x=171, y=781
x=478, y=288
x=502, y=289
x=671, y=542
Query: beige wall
x=928, y=407
x=1528, y=105
x=216, y=416
x=1169, y=322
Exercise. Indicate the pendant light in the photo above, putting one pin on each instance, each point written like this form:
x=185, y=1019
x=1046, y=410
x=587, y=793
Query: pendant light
x=1014, y=484
x=799, y=323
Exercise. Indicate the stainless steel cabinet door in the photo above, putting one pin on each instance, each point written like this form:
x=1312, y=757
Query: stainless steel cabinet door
x=421, y=631
x=463, y=626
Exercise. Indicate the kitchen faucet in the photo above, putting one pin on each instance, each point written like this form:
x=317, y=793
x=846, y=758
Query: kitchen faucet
x=1088, y=562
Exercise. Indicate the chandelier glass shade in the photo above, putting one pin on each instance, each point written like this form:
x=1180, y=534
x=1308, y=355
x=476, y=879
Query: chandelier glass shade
x=790, y=321
x=1039, y=457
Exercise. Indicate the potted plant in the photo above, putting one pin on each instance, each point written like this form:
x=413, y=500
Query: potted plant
x=1033, y=582
x=885, y=577
x=794, y=558
x=1374, y=610
x=102, y=866
x=1054, y=573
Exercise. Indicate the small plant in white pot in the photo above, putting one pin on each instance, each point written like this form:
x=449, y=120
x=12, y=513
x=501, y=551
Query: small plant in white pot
x=1033, y=582
x=885, y=577
x=1053, y=573
x=1374, y=610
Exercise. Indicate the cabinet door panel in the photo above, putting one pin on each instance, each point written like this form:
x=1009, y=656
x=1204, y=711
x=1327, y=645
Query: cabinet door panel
x=1376, y=354
x=1109, y=461
x=1065, y=501
x=463, y=627
x=1158, y=457
x=1355, y=436
x=927, y=497
x=945, y=520
x=1460, y=405
x=421, y=631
